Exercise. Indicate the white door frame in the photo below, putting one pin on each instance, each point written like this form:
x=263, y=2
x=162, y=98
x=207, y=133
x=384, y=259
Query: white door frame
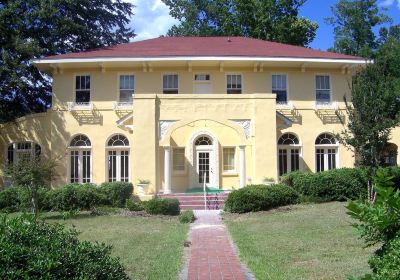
x=209, y=150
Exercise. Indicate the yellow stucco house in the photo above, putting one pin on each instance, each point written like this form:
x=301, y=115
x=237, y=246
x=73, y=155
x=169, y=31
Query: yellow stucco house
x=181, y=111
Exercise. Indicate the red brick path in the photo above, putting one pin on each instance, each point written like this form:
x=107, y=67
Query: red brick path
x=212, y=256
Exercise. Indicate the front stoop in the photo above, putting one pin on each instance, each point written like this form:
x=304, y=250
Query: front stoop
x=191, y=201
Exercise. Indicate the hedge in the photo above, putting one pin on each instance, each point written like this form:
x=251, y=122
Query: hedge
x=33, y=249
x=162, y=206
x=333, y=185
x=255, y=198
x=116, y=193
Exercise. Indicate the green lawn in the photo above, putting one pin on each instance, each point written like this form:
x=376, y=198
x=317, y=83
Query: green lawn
x=149, y=247
x=306, y=242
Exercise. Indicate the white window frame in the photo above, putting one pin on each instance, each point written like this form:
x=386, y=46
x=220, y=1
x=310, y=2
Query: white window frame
x=287, y=86
x=118, y=98
x=80, y=150
x=242, y=82
x=17, y=151
x=231, y=171
x=330, y=89
x=162, y=82
x=75, y=89
x=325, y=148
x=289, y=149
x=177, y=171
x=118, y=150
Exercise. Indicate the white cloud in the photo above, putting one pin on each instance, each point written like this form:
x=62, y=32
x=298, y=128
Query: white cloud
x=388, y=3
x=151, y=19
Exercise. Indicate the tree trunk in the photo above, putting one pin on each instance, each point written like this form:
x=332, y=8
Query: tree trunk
x=34, y=201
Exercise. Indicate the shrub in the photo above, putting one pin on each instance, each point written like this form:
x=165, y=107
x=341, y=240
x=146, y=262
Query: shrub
x=186, y=217
x=260, y=197
x=42, y=199
x=9, y=200
x=332, y=185
x=117, y=192
x=386, y=264
x=134, y=204
x=75, y=197
x=32, y=249
x=162, y=206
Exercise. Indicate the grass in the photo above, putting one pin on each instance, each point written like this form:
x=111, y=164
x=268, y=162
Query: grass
x=149, y=247
x=306, y=242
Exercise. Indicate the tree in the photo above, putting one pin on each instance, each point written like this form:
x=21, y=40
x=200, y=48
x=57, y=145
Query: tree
x=353, y=22
x=374, y=109
x=274, y=20
x=32, y=174
x=32, y=29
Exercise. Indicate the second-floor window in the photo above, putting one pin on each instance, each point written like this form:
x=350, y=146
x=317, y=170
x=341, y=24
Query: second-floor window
x=323, y=89
x=279, y=87
x=234, y=84
x=82, y=89
x=170, y=83
x=126, y=88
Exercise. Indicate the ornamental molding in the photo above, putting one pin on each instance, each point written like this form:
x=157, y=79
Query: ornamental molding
x=163, y=127
x=246, y=125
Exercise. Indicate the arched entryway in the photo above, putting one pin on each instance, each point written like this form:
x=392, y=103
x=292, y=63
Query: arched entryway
x=204, y=160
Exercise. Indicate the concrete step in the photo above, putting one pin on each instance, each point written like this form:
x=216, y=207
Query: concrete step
x=196, y=201
x=201, y=207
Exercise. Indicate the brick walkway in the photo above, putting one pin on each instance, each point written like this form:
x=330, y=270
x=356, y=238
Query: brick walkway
x=212, y=256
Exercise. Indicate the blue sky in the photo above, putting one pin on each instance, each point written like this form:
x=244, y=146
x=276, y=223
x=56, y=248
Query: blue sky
x=152, y=18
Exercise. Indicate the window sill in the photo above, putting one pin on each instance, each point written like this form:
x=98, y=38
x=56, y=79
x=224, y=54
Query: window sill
x=230, y=174
x=179, y=173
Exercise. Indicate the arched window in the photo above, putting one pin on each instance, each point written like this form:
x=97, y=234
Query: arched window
x=80, y=159
x=289, y=151
x=203, y=141
x=16, y=151
x=118, y=158
x=326, y=152
x=389, y=155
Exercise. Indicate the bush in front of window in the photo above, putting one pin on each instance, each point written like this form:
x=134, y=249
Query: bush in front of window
x=33, y=249
x=332, y=185
x=16, y=199
x=116, y=192
x=254, y=198
x=75, y=197
x=162, y=206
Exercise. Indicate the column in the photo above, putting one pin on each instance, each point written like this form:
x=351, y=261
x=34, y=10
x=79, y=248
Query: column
x=242, y=168
x=167, y=170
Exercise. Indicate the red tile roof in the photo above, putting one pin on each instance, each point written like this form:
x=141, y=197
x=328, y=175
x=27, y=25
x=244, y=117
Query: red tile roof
x=204, y=46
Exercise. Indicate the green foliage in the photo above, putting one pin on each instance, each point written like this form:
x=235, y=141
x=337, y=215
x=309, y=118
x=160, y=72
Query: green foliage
x=386, y=264
x=75, y=196
x=262, y=19
x=378, y=221
x=32, y=249
x=187, y=217
x=162, y=206
x=117, y=192
x=33, y=29
x=332, y=185
x=375, y=107
x=354, y=22
x=134, y=204
x=255, y=198
x=9, y=200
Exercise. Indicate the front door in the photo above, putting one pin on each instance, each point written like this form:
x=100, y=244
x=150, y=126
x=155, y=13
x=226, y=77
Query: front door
x=204, y=168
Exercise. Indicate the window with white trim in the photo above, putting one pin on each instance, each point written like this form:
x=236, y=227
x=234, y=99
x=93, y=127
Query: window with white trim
x=234, y=84
x=126, y=88
x=323, y=89
x=279, y=87
x=82, y=89
x=80, y=161
x=326, y=152
x=289, y=151
x=229, y=159
x=118, y=158
x=170, y=83
x=26, y=150
x=202, y=77
x=178, y=159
